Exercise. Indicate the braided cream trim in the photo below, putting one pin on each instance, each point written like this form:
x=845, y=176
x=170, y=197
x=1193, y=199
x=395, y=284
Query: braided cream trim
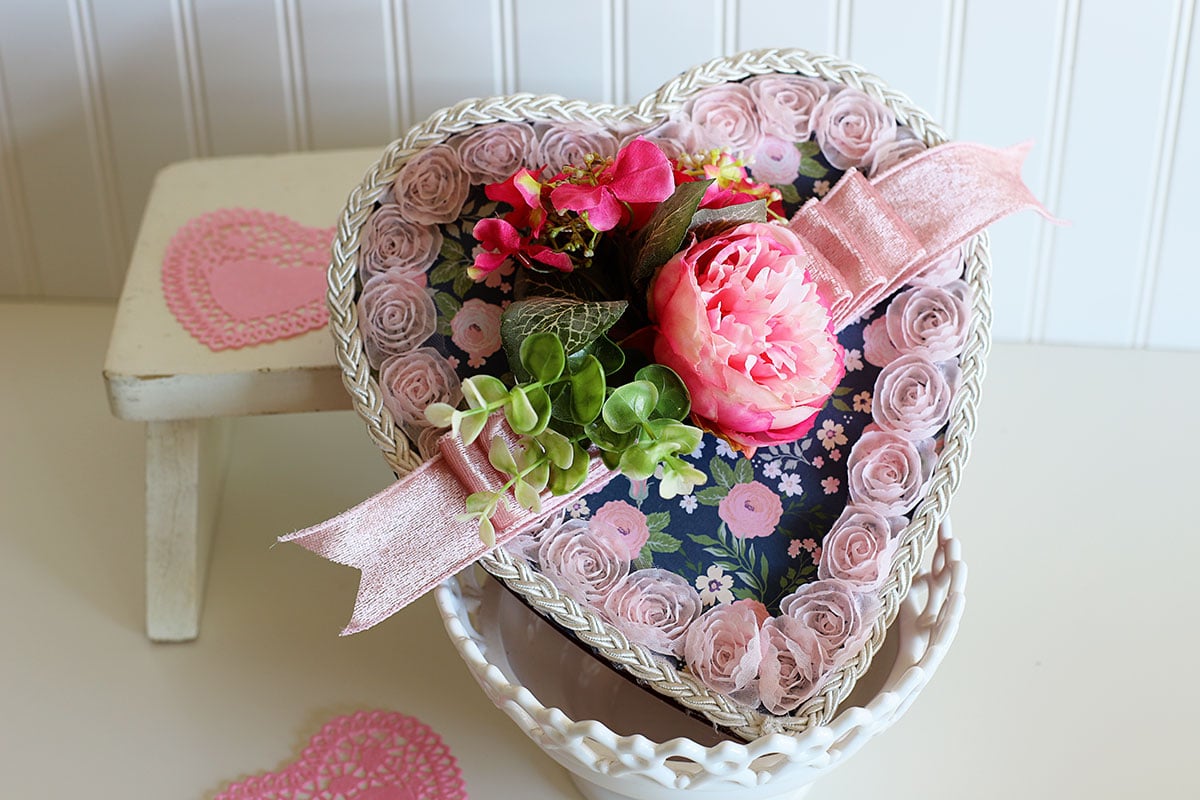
x=537, y=589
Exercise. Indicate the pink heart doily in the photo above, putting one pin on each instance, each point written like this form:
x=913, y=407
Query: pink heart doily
x=371, y=755
x=237, y=277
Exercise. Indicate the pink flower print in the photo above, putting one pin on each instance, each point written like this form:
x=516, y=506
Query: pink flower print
x=808, y=544
x=751, y=510
x=831, y=485
x=818, y=461
x=714, y=586
x=623, y=525
x=453, y=362
x=476, y=330
x=496, y=277
x=831, y=434
x=789, y=484
x=862, y=402
x=816, y=555
x=853, y=360
x=794, y=548
x=836, y=455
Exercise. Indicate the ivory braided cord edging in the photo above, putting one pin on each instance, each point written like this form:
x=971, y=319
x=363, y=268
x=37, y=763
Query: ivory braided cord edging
x=537, y=589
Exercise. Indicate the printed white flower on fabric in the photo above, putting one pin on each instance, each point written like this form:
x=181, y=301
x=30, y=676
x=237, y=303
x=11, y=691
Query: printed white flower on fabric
x=854, y=360
x=723, y=449
x=772, y=470
x=714, y=586
x=821, y=188
x=699, y=449
x=579, y=508
x=789, y=484
x=688, y=503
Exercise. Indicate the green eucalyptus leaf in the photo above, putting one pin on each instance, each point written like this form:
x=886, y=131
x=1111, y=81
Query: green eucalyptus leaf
x=587, y=390
x=543, y=357
x=637, y=464
x=527, y=496
x=674, y=402
x=439, y=414
x=539, y=476
x=558, y=448
x=540, y=401
x=606, y=438
x=481, y=503
x=576, y=323
x=489, y=387
x=571, y=478
x=686, y=437
x=470, y=425
x=520, y=413
x=610, y=459
x=630, y=405
x=500, y=457
x=664, y=233
x=487, y=531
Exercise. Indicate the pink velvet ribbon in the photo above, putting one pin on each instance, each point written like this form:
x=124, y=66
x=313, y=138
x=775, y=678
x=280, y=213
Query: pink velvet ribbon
x=866, y=239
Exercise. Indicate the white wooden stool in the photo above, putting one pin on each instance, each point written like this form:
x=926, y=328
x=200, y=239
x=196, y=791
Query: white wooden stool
x=157, y=373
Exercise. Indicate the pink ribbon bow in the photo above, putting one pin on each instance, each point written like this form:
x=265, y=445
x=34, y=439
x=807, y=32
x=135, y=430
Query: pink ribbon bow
x=865, y=240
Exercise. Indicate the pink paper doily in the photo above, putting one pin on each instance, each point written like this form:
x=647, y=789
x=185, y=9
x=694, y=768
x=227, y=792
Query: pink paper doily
x=237, y=277
x=370, y=755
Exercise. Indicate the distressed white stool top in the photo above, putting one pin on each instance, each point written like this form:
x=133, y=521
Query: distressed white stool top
x=155, y=370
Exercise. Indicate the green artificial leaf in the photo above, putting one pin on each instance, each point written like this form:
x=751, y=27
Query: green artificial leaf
x=664, y=233
x=581, y=284
x=674, y=402
x=540, y=400
x=500, y=457
x=808, y=149
x=743, y=471
x=721, y=472
x=543, y=357
x=712, y=496
x=686, y=438
x=489, y=387
x=789, y=193
x=658, y=521
x=576, y=323
x=470, y=425
x=538, y=477
x=607, y=439
x=558, y=448
x=608, y=352
x=587, y=391
x=630, y=405
x=527, y=496
x=481, y=502
x=487, y=532
x=520, y=413
x=709, y=222
x=637, y=464
x=811, y=168
x=663, y=543
x=571, y=478
x=440, y=415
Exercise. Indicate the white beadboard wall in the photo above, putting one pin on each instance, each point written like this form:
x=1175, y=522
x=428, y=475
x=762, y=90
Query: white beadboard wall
x=97, y=95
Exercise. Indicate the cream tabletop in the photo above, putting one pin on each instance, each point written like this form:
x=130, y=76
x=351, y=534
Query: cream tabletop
x=1072, y=676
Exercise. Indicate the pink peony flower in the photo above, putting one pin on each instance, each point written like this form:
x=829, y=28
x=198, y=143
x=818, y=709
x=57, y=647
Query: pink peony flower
x=563, y=143
x=723, y=649
x=475, y=328
x=396, y=314
x=622, y=525
x=913, y=394
x=775, y=161
x=411, y=381
x=887, y=472
x=787, y=104
x=725, y=117
x=491, y=153
x=858, y=549
x=751, y=510
x=584, y=566
x=944, y=270
x=889, y=154
x=792, y=664
x=840, y=616
x=851, y=128
x=653, y=608
x=391, y=243
x=432, y=186
x=877, y=344
x=930, y=320
x=639, y=174
x=743, y=325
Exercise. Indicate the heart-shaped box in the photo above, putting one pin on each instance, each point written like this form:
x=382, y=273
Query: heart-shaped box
x=467, y=343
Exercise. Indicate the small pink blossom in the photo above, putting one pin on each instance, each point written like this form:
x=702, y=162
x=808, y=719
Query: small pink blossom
x=831, y=485
x=793, y=550
x=751, y=510
x=653, y=608
x=818, y=461
x=723, y=649
x=639, y=174
x=475, y=328
x=623, y=525
x=816, y=555
x=862, y=402
x=853, y=360
x=835, y=454
x=808, y=544
x=585, y=566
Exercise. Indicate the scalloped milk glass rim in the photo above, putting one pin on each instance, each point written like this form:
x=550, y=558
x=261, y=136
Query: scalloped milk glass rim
x=538, y=591
x=925, y=628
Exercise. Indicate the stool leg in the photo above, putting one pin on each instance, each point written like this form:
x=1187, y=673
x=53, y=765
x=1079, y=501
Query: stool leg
x=185, y=468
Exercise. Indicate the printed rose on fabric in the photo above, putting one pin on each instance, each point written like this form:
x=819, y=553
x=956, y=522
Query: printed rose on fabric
x=725, y=117
x=584, y=566
x=787, y=104
x=792, y=664
x=878, y=349
x=751, y=510
x=622, y=525
x=741, y=322
x=475, y=328
x=858, y=549
x=563, y=143
x=391, y=243
x=946, y=269
x=723, y=649
x=775, y=160
x=653, y=608
x=851, y=127
x=714, y=586
x=887, y=472
x=840, y=616
x=396, y=314
x=432, y=186
x=491, y=153
x=913, y=394
x=411, y=381
x=930, y=320
x=889, y=154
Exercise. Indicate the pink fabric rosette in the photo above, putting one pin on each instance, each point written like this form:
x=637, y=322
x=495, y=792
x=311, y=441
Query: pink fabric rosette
x=858, y=548
x=396, y=314
x=743, y=325
x=913, y=394
x=775, y=160
x=930, y=320
x=877, y=344
x=411, y=381
x=840, y=616
x=787, y=104
x=889, y=154
x=723, y=649
x=583, y=565
x=391, y=243
x=676, y=137
x=947, y=269
x=623, y=525
x=793, y=663
x=491, y=153
x=851, y=128
x=653, y=608
x=527, y=543
x=725, y=117
x=563, y=143
x=887, y=472
x=432, y=186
